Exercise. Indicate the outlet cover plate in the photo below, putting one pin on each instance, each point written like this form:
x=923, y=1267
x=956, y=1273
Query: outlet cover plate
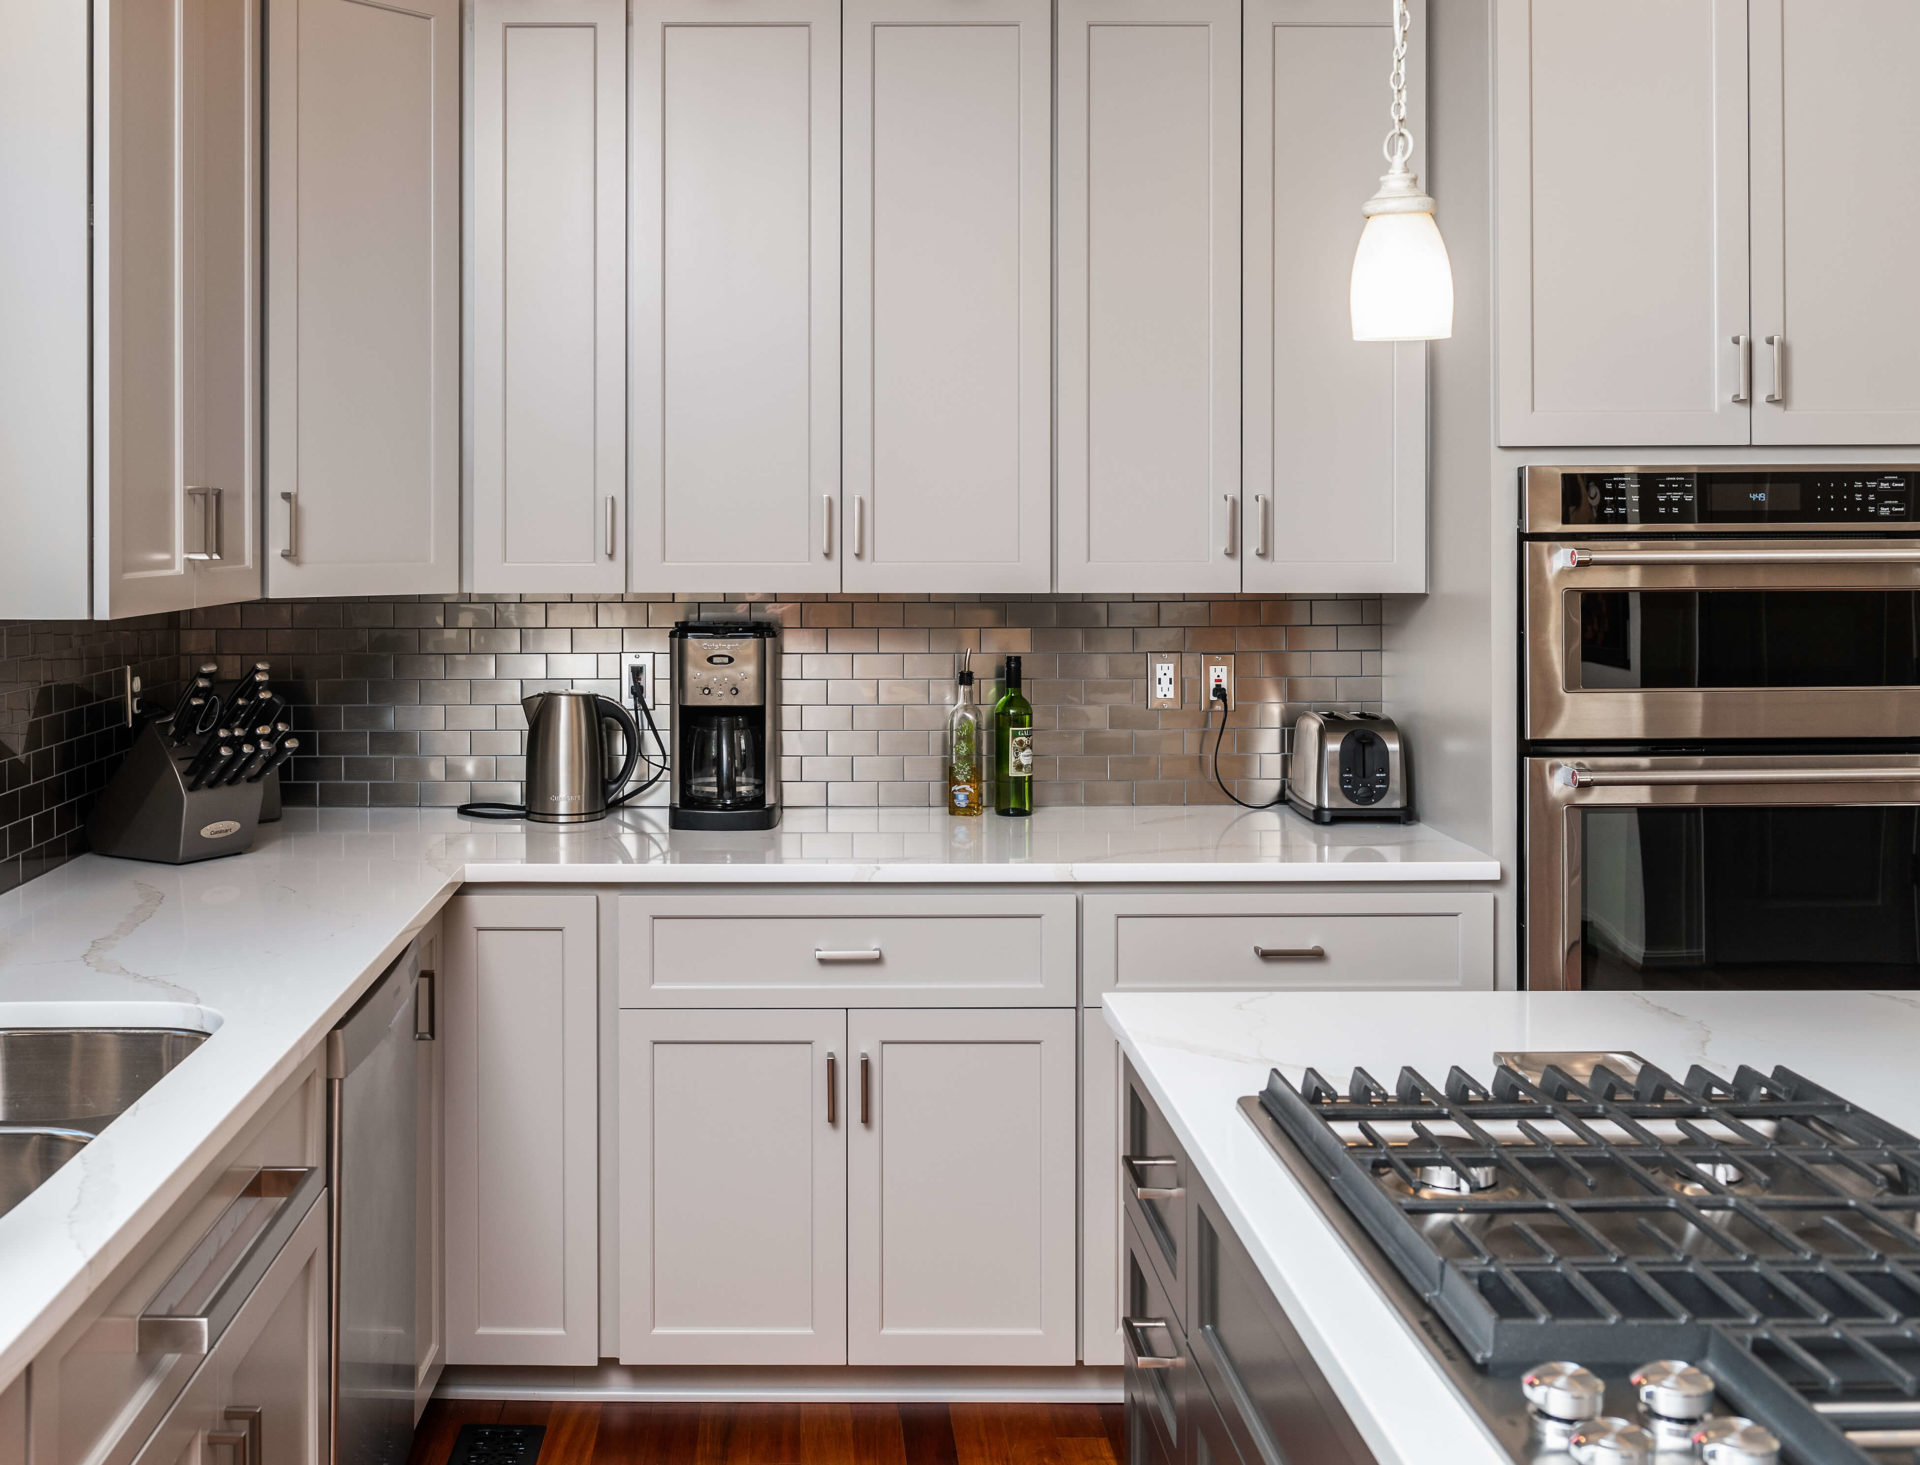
x=1217, y=667
x=1163, y=680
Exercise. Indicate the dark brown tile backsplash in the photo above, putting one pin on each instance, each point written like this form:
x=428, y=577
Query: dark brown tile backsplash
x=61, y=732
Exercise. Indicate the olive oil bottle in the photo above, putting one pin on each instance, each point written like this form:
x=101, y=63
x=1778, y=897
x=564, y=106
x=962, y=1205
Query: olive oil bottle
x=966, y=781
x=1013, y=747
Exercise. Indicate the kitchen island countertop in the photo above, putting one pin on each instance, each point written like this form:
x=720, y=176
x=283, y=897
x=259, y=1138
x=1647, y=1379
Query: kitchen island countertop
x=1199, y=1053
x=270, y=949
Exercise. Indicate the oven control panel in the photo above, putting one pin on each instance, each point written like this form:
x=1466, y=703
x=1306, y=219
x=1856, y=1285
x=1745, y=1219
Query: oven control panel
x=1737, y=496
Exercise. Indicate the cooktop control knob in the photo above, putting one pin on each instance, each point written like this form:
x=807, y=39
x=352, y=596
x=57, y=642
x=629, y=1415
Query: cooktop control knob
x=1674, y=1397
x=1610, y=1441
x=1730, y=1441
x=1560, y=1395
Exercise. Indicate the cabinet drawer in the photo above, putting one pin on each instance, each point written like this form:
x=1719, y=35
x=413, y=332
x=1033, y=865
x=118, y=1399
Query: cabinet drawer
x=1416, y=940
x=847, y=950
x=1158, y=1363
x=1153, y=1183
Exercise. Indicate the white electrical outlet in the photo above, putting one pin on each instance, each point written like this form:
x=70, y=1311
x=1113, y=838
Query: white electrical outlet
x=1164, y=690
x=644, y=661
x=1219, y=675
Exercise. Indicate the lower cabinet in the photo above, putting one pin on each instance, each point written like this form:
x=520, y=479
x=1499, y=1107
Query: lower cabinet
x=518, y=1017
x=429, y=1196
x=865, y=1186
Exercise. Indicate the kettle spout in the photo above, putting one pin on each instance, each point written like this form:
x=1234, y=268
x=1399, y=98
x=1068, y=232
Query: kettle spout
x=531, y=706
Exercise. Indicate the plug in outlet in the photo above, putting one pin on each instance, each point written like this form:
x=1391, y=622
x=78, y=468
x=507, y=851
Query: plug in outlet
x=1219, y=674
x=639, y=666
x=1164, y=687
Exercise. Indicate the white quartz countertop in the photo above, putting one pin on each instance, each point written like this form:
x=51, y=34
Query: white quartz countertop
x=269, y=949
x=1200, y=1053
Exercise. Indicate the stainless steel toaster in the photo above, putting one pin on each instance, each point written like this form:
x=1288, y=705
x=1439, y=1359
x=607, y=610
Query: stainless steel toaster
x=1349, y=765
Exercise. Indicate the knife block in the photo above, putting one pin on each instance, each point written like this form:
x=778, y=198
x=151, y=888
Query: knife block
x=147, y=812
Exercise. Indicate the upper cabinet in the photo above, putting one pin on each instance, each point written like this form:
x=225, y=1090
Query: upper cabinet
x=948, y=313
x=736, y=294
x=549, y=356
x=129, y=368
x=1149, y=280
x=1835, y=296
x=363, y=319
x=1682, y=252
x=1335, y=429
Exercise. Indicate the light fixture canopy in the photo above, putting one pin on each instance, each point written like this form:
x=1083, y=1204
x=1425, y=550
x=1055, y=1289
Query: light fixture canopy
x=1402, y=284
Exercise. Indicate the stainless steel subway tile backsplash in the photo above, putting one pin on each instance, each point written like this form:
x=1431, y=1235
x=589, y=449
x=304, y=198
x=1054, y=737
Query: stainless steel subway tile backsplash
x=417, y=702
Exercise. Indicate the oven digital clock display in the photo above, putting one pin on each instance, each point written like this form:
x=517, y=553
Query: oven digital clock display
x=1737, y=497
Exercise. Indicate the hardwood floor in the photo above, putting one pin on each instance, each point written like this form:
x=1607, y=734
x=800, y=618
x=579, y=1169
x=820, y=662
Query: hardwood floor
x=792, y=1434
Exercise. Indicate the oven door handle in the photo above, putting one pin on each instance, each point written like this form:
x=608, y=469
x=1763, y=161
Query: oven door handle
x=1571, y=776
x=1580, y=559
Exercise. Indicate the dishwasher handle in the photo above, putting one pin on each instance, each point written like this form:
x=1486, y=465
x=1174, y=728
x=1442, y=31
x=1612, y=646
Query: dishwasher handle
x=194, y=1306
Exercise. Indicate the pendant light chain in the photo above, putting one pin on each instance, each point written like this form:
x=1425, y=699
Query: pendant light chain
x=1399, y=144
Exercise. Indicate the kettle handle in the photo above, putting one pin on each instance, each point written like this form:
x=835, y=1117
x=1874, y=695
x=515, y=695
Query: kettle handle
x=612, y=710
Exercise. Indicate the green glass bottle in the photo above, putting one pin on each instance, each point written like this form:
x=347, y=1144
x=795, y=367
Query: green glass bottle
x=1013, y=747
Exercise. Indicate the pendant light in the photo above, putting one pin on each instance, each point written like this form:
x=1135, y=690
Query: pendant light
x=1402, y=286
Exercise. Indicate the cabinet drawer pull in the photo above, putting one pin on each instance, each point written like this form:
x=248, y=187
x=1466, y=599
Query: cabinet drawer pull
x=209, y=523
x=872, y=954
x=612, y=524
x=245, y=1441
x=292, y=551
x=866, y=1089
x=1233, y=524
x=1264, y=532
x=1291, y=953
x=425, y=1029
x=1141, y=1190
x=1144, y=1357
x=193, y=1307
x=1779, y=392
x=833, y=1089
x=1744, y=392
x=826, y=526
x=859, y=526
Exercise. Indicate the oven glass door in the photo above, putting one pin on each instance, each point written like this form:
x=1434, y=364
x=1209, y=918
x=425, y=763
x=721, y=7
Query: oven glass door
x=1659, y=640
x=1643, y=880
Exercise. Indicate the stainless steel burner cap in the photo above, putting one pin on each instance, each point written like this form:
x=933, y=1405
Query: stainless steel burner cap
x=1673, y=1389
x=1456, y=1177
x=1610, y=1441
x=1729, y=1441
x=1563, y=1391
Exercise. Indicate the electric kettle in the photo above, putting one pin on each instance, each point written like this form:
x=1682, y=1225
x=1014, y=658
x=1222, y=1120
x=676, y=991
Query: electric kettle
x=567, y=780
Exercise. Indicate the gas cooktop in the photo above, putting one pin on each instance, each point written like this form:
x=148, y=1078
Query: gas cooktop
x=1588, y=1243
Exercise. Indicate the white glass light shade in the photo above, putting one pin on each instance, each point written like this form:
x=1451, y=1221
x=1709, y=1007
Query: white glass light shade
x=1402, y=287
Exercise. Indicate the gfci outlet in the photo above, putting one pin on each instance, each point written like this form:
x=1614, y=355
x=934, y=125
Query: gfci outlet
x=1219, y=674
x=1164, y=688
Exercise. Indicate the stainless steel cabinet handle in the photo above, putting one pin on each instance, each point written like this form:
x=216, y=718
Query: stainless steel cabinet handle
x=1233, y=523
x=866, y=1089
x=872, y=954
x=292, y=551
x=1143, y=1357
x=187, y=1318
x=1134, y=1164
x=1744, y=393
x=1290, y=953
x=245, y=1441
x=424, y=996
x=1580, y=559
x=1264, y=530
x=1572, y=777
x=209, y=523
x=833, y=1089
x=612, y=511
x=859, y=526
x=826, y=526
x=1779, y=392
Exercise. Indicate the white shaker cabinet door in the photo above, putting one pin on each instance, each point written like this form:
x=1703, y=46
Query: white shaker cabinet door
x=1336, y=429
x=363, y=325
x=948, y=310
x=176, y=97
x=1149, y=281
x=1836, y=303
x=549, y=284
x=961, y=1231
x=733, y=1192
x=518, y=980
x=736, y=300
x=1621, y=220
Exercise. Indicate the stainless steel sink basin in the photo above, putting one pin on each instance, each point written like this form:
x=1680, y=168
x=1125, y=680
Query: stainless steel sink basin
x=59, y=1087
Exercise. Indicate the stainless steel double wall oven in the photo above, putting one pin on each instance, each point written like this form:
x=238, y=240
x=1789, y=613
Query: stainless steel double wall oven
x=1720, y=709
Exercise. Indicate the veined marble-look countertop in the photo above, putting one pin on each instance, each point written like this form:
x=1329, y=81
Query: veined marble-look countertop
x=1199, y=1053
x=269, y=949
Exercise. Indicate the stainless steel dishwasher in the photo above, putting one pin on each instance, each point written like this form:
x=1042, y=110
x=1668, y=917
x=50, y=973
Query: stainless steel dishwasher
x=372, y=1073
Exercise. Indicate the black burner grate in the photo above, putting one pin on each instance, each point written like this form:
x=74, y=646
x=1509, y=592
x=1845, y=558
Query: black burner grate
x=1615, y=1221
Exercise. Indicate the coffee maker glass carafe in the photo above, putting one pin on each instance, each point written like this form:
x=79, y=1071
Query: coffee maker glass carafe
x=726, y=762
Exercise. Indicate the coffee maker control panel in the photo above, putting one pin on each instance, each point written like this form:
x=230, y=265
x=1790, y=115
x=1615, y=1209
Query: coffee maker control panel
x=720, y=673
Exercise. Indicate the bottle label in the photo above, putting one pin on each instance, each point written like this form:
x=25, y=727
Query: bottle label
x=962, y=797
x=1020, y=755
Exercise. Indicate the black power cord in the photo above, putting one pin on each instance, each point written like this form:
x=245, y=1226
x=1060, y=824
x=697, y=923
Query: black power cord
x=637, y=692
x=1219, y=694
